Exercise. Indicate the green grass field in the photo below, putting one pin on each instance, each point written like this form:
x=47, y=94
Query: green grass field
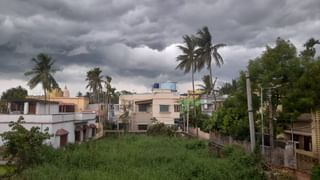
x=143, y=157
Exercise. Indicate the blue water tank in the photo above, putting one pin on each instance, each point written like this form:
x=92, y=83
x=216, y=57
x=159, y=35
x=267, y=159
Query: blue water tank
x=169, y=85
x=156, y=86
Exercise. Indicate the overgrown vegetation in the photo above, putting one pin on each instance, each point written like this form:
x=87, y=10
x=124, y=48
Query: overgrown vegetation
x=24, y=148
x=315, y=174
x=289, y=78
x=143, y=157
x=161, y=129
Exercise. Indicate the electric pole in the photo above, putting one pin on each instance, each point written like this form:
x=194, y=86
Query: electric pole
x=271, y=120
x=250, y=111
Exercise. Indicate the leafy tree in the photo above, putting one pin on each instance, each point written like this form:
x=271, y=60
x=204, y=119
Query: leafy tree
x=95, y=80
x=228, y=88
x=79, y=94
x=42, y=73
x=232, y=118
x=125, y=116
x=310, y=50
x=24, y=147
x=188, y=60
x=275, y=71
x=17, y=93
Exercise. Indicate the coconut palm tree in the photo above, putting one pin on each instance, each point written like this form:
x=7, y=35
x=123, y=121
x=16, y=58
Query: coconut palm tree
x=95, y=80
x=206, y=86
x=208, y=51
x=110, y=91
x=42, y=73
x=188, y=61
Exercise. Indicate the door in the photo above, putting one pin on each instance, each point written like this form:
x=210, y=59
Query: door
x=63, y=140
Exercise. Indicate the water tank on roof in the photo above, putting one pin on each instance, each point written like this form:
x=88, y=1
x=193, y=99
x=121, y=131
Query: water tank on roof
x=156, y=86
x=169, y=85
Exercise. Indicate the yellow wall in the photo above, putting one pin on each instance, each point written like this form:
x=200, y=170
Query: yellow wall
x=81, y=103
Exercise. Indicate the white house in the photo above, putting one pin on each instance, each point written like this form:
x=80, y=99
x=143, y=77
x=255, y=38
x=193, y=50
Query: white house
x=64, y=127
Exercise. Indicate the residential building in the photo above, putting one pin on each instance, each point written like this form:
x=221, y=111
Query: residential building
x=300, y=131
x=77, y=104
x=65, y=128
x=144, y=108
x=209, y=104
x=66, y=103
x=305, y=132
x=196, y=94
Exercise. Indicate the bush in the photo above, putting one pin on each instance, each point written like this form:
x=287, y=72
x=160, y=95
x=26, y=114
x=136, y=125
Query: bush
x=161, y=129
x=315, y=173
x=24, y=147
x=196, y=145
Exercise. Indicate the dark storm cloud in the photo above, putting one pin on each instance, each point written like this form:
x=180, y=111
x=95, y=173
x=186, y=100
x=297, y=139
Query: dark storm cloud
x=129, y=39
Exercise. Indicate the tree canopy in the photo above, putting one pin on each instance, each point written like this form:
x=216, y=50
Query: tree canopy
x=17, y=93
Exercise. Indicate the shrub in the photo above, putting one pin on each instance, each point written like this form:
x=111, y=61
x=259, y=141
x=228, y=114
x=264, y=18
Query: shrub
x=196, y=145
x=161, y=129
x=315, y=172
x=24, y=147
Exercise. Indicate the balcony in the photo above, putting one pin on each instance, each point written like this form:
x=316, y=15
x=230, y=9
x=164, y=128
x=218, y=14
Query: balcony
x=51, y=118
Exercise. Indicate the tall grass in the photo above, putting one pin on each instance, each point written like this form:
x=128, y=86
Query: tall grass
x=142, y=157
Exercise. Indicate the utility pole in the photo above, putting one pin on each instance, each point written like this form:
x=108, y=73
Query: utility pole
x=262, y=123
x=271, y=120
x=188, y=117
x=250, y=111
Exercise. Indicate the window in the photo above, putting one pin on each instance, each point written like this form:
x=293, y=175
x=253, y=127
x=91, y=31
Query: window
x=176, y=108
x=164, y=108
x=143, y=107
x=142, y=126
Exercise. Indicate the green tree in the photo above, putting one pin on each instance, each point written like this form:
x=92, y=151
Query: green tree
x=188, y=60
x=79, y=94
x=24, y=147
x=42, y=73
x=109, y=92
x=206, y=87
x=228, y=88
x=17, y=93
x=310, y=51
x=232, y=118
x=207, y=51
x=95, y=80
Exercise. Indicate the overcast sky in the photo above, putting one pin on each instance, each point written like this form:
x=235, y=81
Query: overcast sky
x=135, y=41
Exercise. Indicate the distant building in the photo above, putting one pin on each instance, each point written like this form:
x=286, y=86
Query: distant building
x=69, y=104
x=161, y=104
x=209, y=104
x=65, y=127
x=305, y=131
x=197, y=93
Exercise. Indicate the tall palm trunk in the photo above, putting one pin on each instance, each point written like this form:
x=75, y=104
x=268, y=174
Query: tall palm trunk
x=212, y=87
x=193, y=98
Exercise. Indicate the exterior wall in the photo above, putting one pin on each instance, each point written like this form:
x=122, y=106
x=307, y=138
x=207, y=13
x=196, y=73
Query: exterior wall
x=157, y=98
x=49, y=108
x=315, y=127
x=68, y=126
x=81, y=103
x=208, y=103
x=52, y=122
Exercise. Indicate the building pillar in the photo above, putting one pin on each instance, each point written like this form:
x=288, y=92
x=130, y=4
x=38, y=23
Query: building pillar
x=26, y=108
x=315, y=126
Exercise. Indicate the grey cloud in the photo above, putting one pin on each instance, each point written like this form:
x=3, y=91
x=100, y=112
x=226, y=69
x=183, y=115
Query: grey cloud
x=110, y=34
